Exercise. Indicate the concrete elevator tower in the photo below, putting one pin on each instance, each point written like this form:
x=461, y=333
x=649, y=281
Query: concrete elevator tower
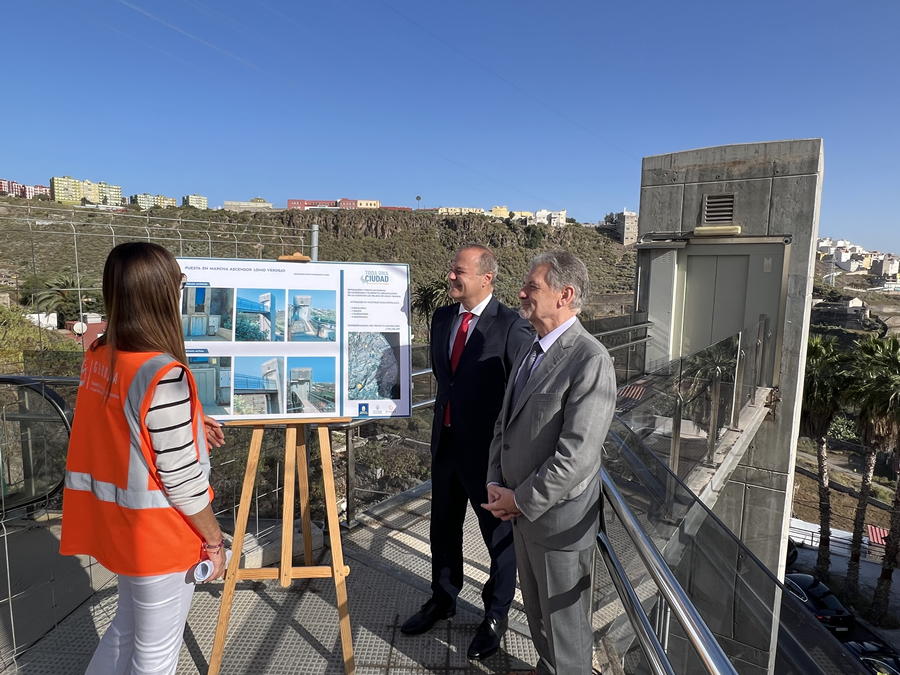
x=726, y=237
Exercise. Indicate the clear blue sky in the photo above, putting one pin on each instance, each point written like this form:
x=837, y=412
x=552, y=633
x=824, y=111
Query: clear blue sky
x=523, y=103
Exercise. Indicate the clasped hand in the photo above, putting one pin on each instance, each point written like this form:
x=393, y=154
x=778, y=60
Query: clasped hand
x=501, y=502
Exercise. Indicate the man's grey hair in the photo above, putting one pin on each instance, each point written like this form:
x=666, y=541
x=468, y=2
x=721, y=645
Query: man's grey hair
x=487, y=262
x=565, y=269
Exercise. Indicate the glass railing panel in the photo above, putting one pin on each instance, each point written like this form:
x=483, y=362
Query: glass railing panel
x=754, y=620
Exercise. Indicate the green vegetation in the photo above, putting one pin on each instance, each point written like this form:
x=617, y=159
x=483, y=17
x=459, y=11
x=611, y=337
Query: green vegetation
x=40, y=243
x=18, y=336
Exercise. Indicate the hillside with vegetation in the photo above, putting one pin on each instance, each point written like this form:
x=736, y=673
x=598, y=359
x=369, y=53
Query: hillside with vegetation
x=38, y=246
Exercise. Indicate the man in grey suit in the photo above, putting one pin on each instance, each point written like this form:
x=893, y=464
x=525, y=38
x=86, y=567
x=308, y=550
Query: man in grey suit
x=544, y=467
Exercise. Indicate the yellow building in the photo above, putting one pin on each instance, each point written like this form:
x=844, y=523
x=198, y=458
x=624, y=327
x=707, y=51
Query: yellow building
x=68, y=190
x=500, y=212
x=65, y=190
x=164, y=202
x=520, y=214
x=195, y=200
x=89, y=192
x=368, y=204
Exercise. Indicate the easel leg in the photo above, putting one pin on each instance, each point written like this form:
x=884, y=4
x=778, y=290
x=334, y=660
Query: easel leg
x=287, y=517
x=337, y=551
x=240, y=529
x=305, y=518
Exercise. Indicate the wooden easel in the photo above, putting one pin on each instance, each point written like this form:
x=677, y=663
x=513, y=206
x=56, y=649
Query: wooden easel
x=294, y=460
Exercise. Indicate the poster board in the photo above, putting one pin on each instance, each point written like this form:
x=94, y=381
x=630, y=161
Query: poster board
x=268, y=340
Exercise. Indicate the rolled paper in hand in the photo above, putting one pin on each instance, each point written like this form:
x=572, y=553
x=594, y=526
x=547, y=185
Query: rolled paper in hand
x=203, y=570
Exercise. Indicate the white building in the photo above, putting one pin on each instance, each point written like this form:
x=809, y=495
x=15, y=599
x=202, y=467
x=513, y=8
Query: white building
x=627, y=227
x=196, y=201
x=145, y=201
x=551, y=218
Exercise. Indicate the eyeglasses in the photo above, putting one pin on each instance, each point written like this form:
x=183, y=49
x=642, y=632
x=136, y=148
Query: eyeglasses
x=183, y=281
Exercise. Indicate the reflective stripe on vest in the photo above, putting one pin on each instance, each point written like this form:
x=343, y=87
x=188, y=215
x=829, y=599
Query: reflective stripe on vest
x=137, y=495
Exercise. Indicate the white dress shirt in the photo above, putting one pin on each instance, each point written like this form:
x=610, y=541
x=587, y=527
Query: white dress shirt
x=457, y=322
x=547, y=342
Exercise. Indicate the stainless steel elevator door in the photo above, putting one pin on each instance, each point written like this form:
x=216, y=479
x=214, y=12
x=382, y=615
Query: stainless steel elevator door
x=715, y=297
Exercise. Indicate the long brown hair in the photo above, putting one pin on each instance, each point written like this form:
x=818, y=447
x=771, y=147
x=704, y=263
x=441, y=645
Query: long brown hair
x=141, y=291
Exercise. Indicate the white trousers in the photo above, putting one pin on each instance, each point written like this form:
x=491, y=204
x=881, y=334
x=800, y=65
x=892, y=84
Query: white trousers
x=146, y=634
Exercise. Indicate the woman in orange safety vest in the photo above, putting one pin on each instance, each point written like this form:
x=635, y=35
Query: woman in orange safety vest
x=137, y=494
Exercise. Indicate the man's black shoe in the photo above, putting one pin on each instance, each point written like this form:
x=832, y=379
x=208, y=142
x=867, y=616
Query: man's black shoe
x=487, y=638
x=424, y=620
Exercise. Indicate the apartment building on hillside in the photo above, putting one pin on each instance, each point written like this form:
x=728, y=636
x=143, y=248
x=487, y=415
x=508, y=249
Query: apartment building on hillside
x=196, y=201
x=68, y=190
x=627, y=227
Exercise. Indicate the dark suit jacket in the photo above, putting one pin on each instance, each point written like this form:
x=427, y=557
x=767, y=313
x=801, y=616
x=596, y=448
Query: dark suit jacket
x=475, y=390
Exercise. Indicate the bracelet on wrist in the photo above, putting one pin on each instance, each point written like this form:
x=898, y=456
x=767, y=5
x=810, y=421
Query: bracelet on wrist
x=216, y=547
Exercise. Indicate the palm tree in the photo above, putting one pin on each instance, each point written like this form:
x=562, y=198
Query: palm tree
x=418, y=201
x=822, y=389
x=428, y=297
x=873, y=390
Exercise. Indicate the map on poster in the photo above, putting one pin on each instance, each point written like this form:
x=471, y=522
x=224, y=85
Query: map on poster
x=270, y=339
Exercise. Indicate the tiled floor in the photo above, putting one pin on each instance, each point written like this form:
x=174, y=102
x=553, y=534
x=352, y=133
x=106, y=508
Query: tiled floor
x=294, y=631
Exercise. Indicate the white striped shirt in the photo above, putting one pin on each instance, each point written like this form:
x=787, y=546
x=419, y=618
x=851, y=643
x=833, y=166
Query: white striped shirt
x=172, y=437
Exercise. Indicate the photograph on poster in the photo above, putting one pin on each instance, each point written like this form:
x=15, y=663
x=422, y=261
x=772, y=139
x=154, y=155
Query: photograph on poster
x=258, y=385
x=260, y=315
x=206, y=313
x=213, y=377
x=373, y=366
x=312, y=316
x=311, y=384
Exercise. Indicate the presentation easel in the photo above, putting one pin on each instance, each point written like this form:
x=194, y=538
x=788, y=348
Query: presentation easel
x=294, y=464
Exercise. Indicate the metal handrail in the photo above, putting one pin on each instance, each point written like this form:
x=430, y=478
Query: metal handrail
x=625, y=329
x=653, y=650
x=695, y=629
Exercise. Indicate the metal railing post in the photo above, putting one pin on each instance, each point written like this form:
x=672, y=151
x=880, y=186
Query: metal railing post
x=713, y=433
x=351, y=475
x=674, y=452
x=314, y=242
x=738, y=398
x=760, y=351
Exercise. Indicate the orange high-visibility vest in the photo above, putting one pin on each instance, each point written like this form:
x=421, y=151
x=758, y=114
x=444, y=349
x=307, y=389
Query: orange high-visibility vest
x=114, y=504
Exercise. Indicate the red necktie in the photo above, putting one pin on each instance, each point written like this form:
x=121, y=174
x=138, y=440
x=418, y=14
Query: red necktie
x=458, y=344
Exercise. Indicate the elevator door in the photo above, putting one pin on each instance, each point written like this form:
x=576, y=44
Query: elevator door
x=715, y=298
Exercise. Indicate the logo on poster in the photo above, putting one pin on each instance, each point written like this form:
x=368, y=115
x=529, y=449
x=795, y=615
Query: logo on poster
x=363, y=410
x=375, y=277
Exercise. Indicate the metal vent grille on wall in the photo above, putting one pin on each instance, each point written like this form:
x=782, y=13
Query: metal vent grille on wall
x=718, y=209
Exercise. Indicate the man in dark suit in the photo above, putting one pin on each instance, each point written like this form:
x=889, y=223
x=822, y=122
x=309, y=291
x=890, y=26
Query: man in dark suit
x=544, y=467
x=473, y=345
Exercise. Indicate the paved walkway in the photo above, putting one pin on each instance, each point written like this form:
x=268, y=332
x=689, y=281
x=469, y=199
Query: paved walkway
x=274, y=630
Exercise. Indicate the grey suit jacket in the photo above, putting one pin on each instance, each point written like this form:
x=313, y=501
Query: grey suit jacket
x=548, y=449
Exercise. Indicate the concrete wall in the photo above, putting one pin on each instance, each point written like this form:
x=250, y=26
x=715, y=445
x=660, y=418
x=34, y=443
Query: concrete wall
x=777, y=188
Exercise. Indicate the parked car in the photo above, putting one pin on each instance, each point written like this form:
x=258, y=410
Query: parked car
x=877, y=657
x=819, y=599
x=791, y=553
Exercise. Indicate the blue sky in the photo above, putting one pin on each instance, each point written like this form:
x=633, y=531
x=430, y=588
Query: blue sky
x=523, y=103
